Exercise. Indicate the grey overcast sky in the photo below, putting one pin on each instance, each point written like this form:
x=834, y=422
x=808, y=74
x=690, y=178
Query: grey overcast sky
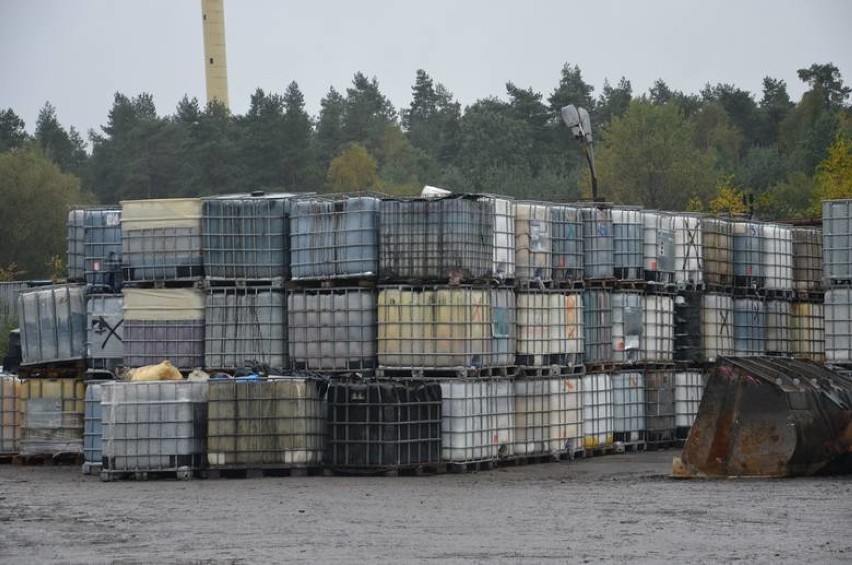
x=78, y=53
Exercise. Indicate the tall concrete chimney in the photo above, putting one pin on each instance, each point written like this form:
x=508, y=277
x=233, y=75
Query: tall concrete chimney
x=215, y=65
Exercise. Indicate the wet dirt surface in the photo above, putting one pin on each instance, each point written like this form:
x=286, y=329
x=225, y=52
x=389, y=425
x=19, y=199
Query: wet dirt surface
x=615, y=509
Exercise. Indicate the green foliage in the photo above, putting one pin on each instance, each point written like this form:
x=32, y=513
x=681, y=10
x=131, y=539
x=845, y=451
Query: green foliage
x=788, y=199
x=648, y=158
x=775, y=107
x=297, y=159
x=614, y=100
x=739, y=107
x=695, y=205
x=65, y=148
x=825, y=81
x=761, y=168
x=493, y=141
x=328, y=137
x=56, y=268
x=834, y=174
x=715, y=134
x=400, y=167
x=432, y=120
x=12, y=132
x=572, y=89
x=353, y=170
x=367, y=113
x=728, y=199
x=6, y=326
x=36, y=196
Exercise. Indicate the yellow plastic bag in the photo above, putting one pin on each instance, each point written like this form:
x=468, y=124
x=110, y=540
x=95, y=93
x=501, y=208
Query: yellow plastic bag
x=165, y=371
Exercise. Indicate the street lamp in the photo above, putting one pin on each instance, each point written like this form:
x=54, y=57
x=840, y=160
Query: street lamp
x=577, y=120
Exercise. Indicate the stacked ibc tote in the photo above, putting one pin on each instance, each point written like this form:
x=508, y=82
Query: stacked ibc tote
x=257, y=424
x=71, y=337
x=630, y=278
x=102, y=267
x=332, y=325
x=548, y=254
x=156, y=427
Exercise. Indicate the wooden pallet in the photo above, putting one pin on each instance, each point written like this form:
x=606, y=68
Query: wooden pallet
x=817, y=296
x=597, y=284
x=505, y=372
x=602, y=367
x=530, y=459
x=213, y=283
x=669, y=443
x=108, y=475
x=72, y=459
x=332, y=283
x=471, y=466
x=257, y=471
x=546, y=371
x=690, y=286
x=69, y=370
x=578, y=284
x=392, y=471
x=778, y=294
x=597, y=451
x=637, y=285
x=196, y=282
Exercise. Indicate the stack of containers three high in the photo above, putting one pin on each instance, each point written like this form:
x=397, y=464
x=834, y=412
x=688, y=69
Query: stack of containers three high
x=333, y=328
x=548, y=253
x=443, y=325
x=629, y=309
x=69, y=336
x=257, y=423
x=204, y=288
x=156, y=427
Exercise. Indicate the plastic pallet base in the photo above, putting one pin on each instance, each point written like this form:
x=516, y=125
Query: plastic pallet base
x=530, y=459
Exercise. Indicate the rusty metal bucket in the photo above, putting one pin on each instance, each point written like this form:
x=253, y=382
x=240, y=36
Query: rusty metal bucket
x=770, y=417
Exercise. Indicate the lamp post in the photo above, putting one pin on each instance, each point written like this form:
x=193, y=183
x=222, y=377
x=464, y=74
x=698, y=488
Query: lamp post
x=577, y=120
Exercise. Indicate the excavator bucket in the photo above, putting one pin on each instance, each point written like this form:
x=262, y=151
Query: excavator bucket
x=770, y=417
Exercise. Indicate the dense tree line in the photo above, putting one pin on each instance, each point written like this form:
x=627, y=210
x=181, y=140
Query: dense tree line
x=714, y=150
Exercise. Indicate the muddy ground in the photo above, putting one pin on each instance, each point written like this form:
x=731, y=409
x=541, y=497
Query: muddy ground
x=620, y=508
